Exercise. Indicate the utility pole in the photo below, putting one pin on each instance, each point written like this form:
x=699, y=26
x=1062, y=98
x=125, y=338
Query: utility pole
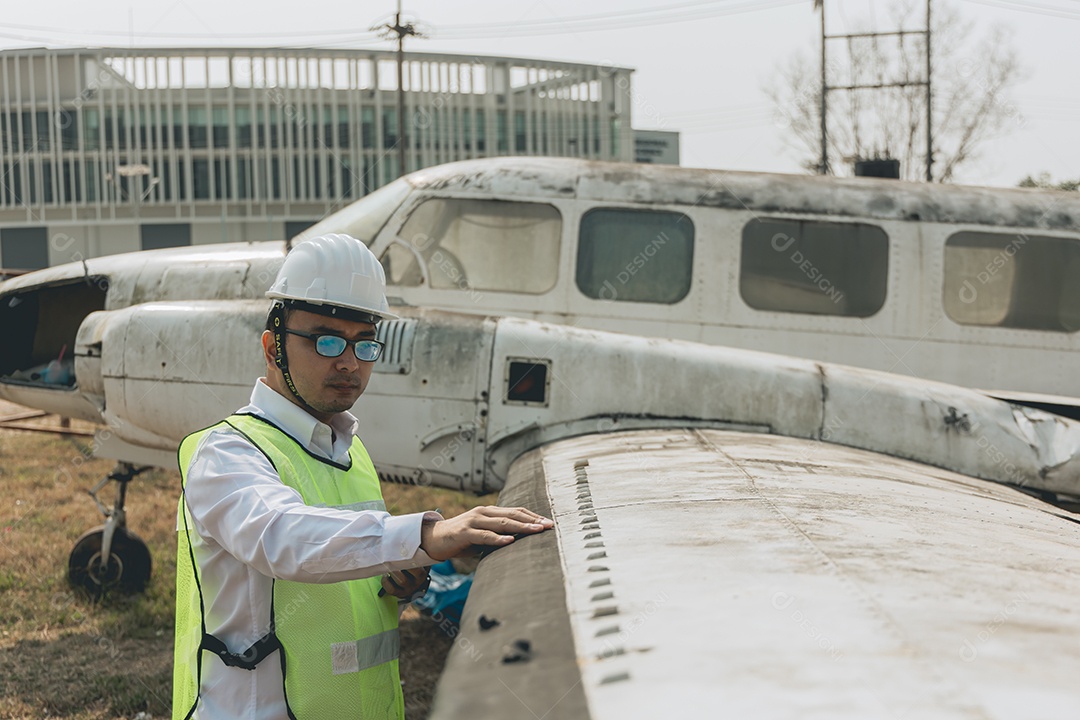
x=824, y=166
x=825, y=88
x=929, y=105
x=400, y=31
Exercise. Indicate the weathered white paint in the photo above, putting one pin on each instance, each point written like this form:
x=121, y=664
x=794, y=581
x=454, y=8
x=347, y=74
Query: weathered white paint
x=736, y=575
x=910, y=334
x=605, y=381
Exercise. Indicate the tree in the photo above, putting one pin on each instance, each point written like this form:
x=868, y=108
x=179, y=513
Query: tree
x=971, y=78
x=1043, y=181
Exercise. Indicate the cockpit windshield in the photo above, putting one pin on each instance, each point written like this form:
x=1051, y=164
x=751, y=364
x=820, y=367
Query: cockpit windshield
x=364, y=218
x=478, y=244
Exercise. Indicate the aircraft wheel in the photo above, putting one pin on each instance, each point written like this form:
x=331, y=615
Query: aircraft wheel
x=127, y=569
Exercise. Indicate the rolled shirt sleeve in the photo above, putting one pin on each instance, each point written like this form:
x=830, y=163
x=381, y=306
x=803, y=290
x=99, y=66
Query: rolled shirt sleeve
x=235, y=497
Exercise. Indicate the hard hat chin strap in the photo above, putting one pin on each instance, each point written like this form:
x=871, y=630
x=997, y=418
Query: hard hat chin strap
x=281, y=359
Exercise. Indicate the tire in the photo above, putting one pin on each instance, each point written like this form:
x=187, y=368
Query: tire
x=127, y=571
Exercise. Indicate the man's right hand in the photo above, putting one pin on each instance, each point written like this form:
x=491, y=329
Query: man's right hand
x=486, y=525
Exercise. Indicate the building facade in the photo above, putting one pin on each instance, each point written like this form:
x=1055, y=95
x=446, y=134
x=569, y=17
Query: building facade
x=115, y=150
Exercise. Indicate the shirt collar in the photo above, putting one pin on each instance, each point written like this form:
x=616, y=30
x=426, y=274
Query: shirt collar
x=297, y=422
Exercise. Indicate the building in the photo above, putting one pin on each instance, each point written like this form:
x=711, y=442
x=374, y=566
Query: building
x=114, y=150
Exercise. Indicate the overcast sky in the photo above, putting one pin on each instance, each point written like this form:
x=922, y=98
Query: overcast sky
x=700, y=65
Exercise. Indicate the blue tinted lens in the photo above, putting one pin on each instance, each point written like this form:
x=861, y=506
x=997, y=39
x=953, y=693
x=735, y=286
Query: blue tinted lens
x=368, y=350
x=329, y=345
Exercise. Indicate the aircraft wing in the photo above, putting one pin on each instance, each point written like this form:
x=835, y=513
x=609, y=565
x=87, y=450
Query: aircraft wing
x=709, y=573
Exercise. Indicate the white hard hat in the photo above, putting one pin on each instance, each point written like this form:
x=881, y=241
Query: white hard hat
x=333, y=275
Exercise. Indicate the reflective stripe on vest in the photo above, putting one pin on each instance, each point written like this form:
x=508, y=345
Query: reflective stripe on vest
x=349, y=657
x=340, y=640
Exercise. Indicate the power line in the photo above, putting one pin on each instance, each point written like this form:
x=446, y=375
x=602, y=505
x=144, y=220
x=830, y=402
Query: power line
x=595, y=22
x=177, y=35
x=1030, y=7
x=600, y=16
x=716, y=129
x=724, y=110
x=613, y=21
x=746, y=118
x=659, y=15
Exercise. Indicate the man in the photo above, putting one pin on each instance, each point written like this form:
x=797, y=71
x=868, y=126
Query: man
x=283, y=534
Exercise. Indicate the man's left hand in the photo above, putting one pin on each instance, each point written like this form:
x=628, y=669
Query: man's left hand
x=407, y=584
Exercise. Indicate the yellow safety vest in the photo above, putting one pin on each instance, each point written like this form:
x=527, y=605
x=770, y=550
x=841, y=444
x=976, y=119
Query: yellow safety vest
x=337, y=643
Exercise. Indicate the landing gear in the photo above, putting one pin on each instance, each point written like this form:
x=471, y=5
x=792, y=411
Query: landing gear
x=110, y=557
x=127, y=570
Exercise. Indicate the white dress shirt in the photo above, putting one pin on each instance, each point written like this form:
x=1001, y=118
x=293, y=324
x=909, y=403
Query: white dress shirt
x=252, y=528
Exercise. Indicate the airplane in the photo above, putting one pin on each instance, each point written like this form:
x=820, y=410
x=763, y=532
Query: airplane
x=904, y=277
x=899, y=520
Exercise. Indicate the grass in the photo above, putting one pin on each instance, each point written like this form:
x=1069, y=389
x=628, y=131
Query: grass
x=63, y=655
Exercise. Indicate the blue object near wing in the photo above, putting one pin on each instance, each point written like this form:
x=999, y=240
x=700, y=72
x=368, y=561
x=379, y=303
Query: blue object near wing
x=447, y=593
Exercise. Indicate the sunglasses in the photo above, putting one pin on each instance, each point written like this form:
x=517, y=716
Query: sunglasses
x=332, y=346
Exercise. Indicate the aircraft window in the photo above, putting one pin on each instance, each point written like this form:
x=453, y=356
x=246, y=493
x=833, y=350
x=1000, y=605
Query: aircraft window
x=1013, y=280
x=479, y=245
x=635, y=255
x=819, y=268
x=364, y=218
